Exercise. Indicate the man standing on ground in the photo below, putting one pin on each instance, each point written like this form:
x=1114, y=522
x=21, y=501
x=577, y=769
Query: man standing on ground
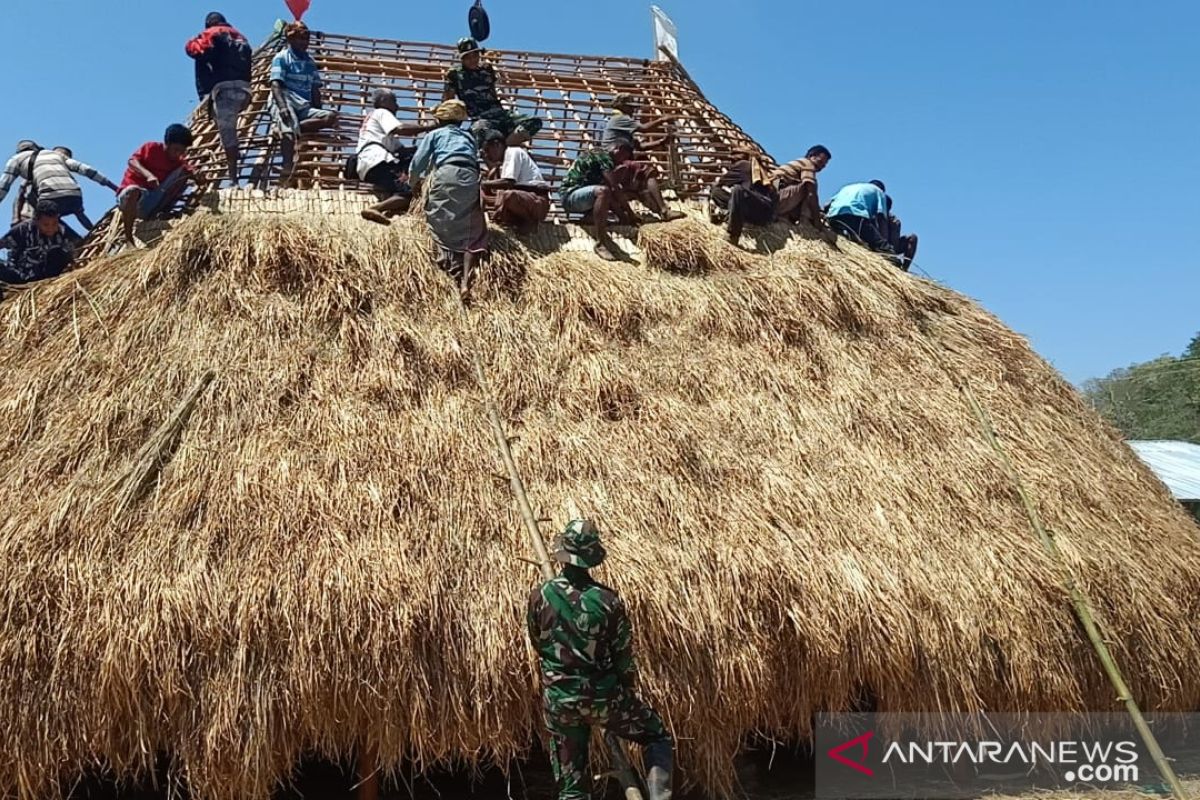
x=47, y=174
x=584, y=642
x=223, y=62
x=475, y=84
x=860, y=212
x=515, y=189
x=157, y=175
x=39, y=248
x=797, y=185
x=296, y=95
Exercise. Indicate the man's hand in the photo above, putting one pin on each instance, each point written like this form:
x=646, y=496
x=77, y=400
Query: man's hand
x=151, y=182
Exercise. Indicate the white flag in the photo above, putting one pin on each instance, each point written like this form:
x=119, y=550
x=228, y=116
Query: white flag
x=666, y=35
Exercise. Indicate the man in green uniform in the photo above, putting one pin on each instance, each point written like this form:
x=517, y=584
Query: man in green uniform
x=584, y=643
x=475, y=82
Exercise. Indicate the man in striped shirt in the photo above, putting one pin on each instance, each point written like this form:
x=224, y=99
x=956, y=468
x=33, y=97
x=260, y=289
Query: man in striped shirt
x=48, y=173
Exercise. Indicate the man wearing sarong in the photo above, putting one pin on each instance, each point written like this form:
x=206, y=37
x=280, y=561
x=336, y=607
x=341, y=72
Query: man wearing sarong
x=474, y=83
x=453, y=205
x=581, y=633
x=796, y=183
x=515, y=190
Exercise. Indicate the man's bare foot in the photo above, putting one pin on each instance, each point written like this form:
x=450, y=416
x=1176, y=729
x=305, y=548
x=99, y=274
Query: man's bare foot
x=604, y=253
x=673, y=216
x=371, y=215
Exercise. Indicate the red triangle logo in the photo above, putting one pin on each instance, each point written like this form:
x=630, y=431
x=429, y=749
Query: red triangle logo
x=859, y=742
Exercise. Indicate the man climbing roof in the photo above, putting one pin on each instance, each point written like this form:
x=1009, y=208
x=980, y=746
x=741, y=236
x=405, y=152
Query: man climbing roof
x=623, y=126
x=39, y=248
x=584, y=643
x=475, y=84
x=860, y=212
x=223, y=64
x=47, y=174
x=296, y=95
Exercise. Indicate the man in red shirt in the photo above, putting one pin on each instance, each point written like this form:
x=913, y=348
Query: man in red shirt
x=157, y=175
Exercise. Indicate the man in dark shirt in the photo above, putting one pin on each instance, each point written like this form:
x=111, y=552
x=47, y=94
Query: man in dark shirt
x=38, y=248
x=475, y=84
x=223, y=65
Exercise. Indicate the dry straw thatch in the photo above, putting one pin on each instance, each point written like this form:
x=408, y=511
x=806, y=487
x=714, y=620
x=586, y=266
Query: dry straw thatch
x=315, y=553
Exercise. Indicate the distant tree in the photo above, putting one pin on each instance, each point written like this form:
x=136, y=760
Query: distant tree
x=1157, y=399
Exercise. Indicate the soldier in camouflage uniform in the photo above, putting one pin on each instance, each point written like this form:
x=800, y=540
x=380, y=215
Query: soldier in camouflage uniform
x=585, y=647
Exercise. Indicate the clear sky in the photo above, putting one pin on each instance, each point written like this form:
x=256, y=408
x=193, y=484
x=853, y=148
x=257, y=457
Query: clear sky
x=1047, y=151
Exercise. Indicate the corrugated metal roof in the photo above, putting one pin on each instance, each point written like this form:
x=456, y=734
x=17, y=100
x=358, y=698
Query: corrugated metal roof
x=1177, y=464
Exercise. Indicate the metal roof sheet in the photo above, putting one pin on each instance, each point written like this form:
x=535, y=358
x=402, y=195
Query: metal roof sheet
x=1177, y=464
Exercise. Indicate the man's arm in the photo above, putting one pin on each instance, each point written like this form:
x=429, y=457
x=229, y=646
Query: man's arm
x=139, y=167
x=622, y=654
x=422, y=160
x=90, y=172
x=657, y=123
x=451, y=90
x=316, y=96
x=12, y=170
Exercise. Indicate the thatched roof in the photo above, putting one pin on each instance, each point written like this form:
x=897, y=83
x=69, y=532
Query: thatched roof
x=318, y=554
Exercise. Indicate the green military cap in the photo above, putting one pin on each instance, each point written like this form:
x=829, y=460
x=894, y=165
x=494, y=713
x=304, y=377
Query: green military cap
x=579, y=545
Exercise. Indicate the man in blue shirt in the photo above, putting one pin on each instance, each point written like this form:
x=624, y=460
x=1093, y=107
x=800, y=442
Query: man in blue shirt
x=296, y=95
x=860, y=212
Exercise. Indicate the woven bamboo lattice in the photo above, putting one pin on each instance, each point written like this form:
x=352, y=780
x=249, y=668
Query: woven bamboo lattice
x=571, y=94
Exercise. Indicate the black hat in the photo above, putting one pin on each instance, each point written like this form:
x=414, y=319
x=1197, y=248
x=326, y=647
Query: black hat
x=477, y=19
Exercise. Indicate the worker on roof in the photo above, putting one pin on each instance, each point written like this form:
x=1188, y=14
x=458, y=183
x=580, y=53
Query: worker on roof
x=622, y=126
x=223, y=63
x=588, y=189
x=859, y=211
x=382, y=158
x=584, y=642
x=474, y=83
x=796, y=183
x=515, y=190
x=743, y=194
x=156, y=178
x=39, y=248
x=905, y=245
x=47, y=176
x=296, y=95
x=453, y=203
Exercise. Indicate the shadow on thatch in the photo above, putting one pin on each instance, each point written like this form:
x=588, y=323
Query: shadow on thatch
x=797, y=500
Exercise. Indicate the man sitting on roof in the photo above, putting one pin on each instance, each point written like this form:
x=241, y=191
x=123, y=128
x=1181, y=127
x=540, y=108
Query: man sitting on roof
x=859, y=211
x=157, y=176
x=905, y=245
x=296, y=95
x=39, y=248
x=515, y=190
x=581, y=633
x=453, y=204
x=743, y=194
x=475, y=83
x=382, y=160
x=223, y=64
x=797, y=186
x=587, y=189
x=47, y=174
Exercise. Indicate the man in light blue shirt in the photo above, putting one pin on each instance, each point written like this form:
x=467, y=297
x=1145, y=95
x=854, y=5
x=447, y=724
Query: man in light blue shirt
x=296, y=95
x=860, y=212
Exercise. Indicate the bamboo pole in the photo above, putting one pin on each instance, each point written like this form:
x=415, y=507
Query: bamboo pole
x=1080, y=600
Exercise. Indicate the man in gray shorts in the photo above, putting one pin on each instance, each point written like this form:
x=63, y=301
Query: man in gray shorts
x=223, y=64
x=296, y=95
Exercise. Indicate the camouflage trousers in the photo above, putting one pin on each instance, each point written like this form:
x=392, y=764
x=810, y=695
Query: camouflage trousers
x=570, y=721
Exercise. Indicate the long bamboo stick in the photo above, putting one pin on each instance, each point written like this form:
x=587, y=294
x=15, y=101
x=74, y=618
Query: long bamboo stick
x=1080, y=600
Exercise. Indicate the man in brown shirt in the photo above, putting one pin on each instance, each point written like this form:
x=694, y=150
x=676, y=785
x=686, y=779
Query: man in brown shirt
x=797, y=186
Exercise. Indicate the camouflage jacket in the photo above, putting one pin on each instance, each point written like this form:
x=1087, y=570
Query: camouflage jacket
x=582, y=636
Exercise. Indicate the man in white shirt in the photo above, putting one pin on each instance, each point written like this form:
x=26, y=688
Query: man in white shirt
x=516, y=192
x=383, y=159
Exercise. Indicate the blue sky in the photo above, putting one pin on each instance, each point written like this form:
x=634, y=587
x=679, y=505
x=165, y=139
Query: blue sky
x=1047, y=151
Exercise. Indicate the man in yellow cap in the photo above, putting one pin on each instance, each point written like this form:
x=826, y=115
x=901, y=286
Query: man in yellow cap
x=453, y=205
